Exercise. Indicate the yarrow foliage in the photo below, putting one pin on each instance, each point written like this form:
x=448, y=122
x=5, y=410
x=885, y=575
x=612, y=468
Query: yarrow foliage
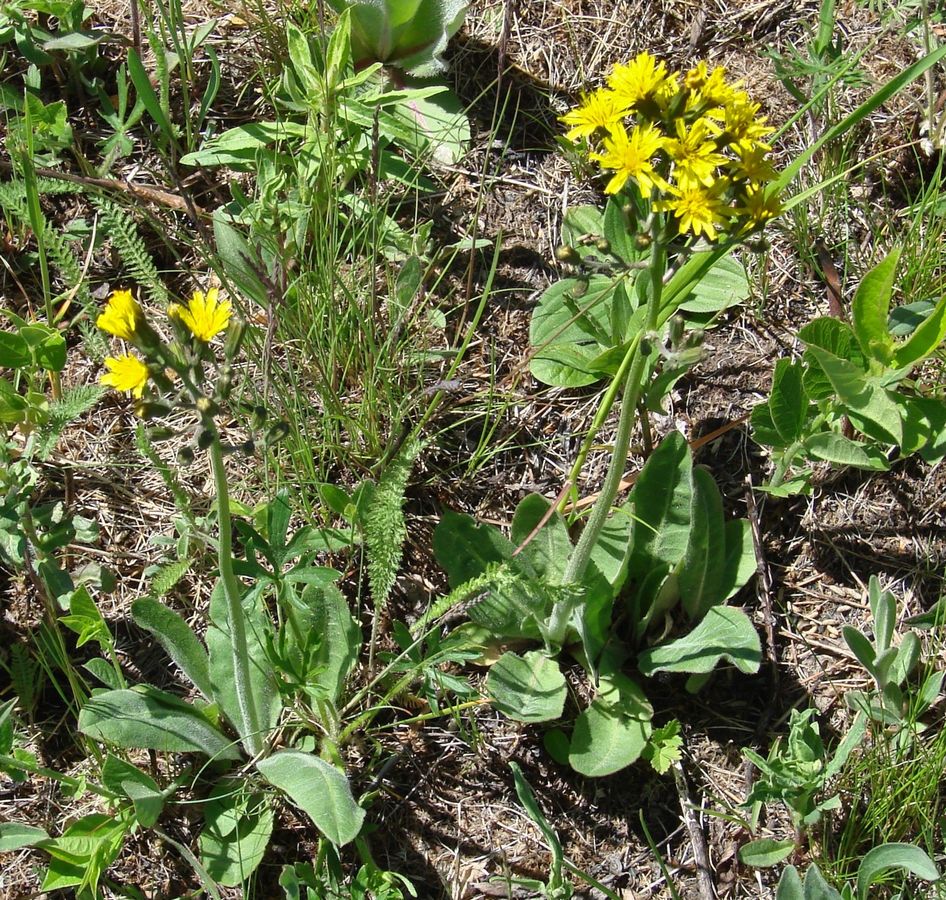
x=691, y=144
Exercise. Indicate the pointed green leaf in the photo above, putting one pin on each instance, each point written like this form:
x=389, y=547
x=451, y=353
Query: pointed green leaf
x=177, y=639
x=317, y=788
x=765, y=852
x=836, y=448
x=871, y=306
x=147, y=718
x=549, y=548
x=238, y=823
x=528, y=688
x=724, y=633
x=702, y=568
x=14, y=835
x=927, y=337
x=893, y=856
x=788, y=404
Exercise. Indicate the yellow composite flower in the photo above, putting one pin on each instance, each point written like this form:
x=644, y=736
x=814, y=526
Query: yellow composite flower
x=742, y=123
x=711, y=87
x=629, y=156
x=640, y=79
x=125, y=373
x=599, y=109
x=205, y=316
x=123, y=317
x=761, y=204
x=695, y=156
x=752, y=163
x=698, y=208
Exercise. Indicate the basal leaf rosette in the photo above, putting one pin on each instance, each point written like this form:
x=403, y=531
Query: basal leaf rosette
x=689, y=144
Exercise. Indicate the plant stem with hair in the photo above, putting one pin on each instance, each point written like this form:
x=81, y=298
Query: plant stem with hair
x=249, y=726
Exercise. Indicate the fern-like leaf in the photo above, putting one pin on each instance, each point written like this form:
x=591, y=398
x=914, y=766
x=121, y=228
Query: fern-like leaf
x=73, y=404
x=385, y=531
x=23, y=671
x=121, y=230
x=169, y=575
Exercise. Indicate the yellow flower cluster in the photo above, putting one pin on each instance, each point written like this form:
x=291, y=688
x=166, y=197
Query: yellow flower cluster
x=693, y=144
x=205, y=316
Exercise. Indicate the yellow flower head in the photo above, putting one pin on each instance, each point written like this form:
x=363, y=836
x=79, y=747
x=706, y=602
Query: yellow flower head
x=629, y=156
x=694, y=155
x=761, y=204
x=123, y=317
x=753, y=163
x=600, y=109
x=640, y=79
x=204, y=316
x=125, y=373
x=698, y=208
x=742, y=123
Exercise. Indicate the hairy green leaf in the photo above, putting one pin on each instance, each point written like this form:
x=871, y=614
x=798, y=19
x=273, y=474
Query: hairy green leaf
x=317, y=788
x=528, y=688
x=871, y=306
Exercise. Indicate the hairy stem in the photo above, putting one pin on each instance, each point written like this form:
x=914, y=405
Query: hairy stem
x=249, y=727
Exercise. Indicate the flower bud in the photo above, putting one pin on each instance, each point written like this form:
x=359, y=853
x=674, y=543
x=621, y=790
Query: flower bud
x=276, y=433
x=676, y=330
x=568, y=255
x=642, y=241
x=603, y=246
x=185, y=456
x=579, y=288
x=148, y=410
x=234, y=341
x=161, y=434
x=205, y=438
x=248, y=448
x=258, y=417
x=206, y=407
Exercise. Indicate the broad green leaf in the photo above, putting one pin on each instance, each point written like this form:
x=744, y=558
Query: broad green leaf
x=905, y=319
x=788, y=405
x=580, y=222
x=177, y=639
x=662, y=501
x=47, y=346
x=740, y=563
x=439, y=124
x=837, y=338
x=617, y=233
x=549, y=549
x=317, y=788
x=567, y=331
x=765, y=852
x=406, y=34
x=124, y=778
x=723, y=286
x=789, y=885
x=835, y=448
x=238, y=824
x=869, y=406
x=763, y=427
x=929, y=335
x=85, y=619
x=464, y=549
x=220, y=664
x=241, y=264
x=724, y=633
x=604, y=741
x=14, y=351
x=328, y=615
x=701, y=571
x=147, y=718
x=816, y=888
x=76, y=40
x=241, y=146
x=612, y=549
x=893, y=856
x=871, y=306
x=14, y=835
x=528, y=688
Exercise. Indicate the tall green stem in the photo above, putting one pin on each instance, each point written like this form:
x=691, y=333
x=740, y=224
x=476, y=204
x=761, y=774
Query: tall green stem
x=633, y=388
x=249, y=727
